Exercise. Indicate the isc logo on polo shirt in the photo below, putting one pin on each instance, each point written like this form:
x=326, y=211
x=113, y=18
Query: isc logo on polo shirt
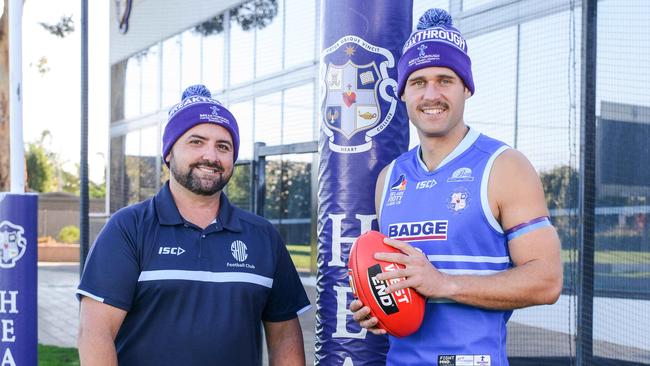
x=171, y=250
x=421, y=230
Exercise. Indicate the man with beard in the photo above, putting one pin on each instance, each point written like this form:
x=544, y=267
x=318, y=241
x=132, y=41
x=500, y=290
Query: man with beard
x=186, y=278
x=467, y=212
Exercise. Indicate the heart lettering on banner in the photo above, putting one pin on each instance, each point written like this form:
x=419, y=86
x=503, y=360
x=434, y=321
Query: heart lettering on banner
x=349, y=98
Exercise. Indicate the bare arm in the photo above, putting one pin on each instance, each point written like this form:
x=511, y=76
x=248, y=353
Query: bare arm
x=516, y=196
x=379, y=189
x=285, y=344
x=98, y=326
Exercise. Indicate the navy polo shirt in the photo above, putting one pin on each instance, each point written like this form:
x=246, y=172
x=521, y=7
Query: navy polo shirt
x=193, y=296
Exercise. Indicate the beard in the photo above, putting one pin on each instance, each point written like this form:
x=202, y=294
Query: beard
x=194, y=181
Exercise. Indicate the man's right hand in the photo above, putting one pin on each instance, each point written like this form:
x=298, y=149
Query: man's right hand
x=361, y=314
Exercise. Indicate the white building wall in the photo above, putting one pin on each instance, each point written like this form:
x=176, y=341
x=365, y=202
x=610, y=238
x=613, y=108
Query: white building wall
x=154, y=20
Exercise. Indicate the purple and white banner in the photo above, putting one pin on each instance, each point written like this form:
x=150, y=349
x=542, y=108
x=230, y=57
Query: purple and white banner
x=364, y=127
x=18, y=284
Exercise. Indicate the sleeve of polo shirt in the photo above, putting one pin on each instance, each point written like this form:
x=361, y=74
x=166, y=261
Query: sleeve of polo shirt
x=111, y=271
x=288, y=298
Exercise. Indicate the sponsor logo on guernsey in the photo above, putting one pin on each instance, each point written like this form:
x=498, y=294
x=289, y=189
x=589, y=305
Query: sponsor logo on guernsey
x=419, y=231
x=446, y=360
x=387, y=301
x=12, y=244
x=397, y=190
x=461, y=175
x=239, y=251
x=400, y=184
x=171, y=251
x=464, y=360
x=426, y=184
x=458, y=200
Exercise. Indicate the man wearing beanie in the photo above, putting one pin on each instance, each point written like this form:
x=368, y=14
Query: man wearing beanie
x=489, y=247
x=186, y=278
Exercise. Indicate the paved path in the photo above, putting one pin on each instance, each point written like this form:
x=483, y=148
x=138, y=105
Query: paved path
x=57, y=305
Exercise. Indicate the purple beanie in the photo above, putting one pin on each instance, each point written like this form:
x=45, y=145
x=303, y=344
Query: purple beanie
x=435, y=43
x=196, y=107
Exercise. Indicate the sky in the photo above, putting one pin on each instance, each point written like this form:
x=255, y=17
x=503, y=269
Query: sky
x=52, y=101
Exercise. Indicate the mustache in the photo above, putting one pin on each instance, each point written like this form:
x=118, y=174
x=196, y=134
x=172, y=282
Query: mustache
x=443, y=105
x=210, y=164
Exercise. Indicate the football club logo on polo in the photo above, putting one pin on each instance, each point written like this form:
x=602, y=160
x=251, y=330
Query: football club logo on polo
x=238, y=250
x=12, y=244
x=357, y=96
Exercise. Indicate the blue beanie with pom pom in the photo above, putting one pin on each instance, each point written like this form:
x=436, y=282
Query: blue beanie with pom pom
x=435, y=42
x=196, y=107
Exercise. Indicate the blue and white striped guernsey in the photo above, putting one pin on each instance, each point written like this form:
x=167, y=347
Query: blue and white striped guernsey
x=446, y=214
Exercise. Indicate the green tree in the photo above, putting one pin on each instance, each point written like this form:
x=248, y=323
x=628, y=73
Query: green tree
x=249, y=15
x=238, y=188
x=96, y=190
x=61, y=29
x=69, y=234
x=561, y=187
x=70, y=181
x=40, y=170
x=41, y=165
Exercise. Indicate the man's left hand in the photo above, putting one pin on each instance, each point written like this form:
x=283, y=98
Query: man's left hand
x=419, y=273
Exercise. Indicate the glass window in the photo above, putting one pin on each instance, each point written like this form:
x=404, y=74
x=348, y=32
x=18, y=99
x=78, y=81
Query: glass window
x=117, y=195
x=243, y=113
x=131, y=187
x=132, y=88
x=171, y=72
x=191, y=58
x=213, y=62
x=268, y=44
x=469, y=4
x=149, y=157
x=298, y=114
x=491, y=110
x=300, y=32
x=268, y=116
x=241, y=53
x=141, y=170
x=151, y=80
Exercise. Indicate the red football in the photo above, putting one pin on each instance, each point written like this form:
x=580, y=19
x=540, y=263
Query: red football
x=401, y=312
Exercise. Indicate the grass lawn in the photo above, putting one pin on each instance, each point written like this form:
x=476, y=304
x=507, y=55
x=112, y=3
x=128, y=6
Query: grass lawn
x=613, y=256
x=301, y=256
x=57, y=356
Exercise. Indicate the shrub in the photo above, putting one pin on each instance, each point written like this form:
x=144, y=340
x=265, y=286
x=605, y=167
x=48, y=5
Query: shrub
x=69, y=234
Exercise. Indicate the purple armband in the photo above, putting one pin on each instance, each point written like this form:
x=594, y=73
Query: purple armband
x=527, y=227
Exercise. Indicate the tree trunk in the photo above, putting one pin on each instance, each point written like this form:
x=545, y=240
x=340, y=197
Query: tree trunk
x=4, y=99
